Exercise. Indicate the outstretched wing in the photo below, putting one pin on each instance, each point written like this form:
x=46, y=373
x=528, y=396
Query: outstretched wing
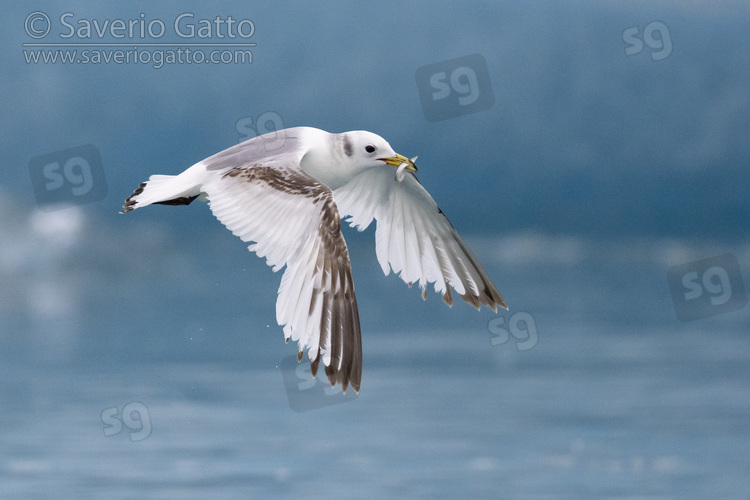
x=291, y=219
x=414, y=237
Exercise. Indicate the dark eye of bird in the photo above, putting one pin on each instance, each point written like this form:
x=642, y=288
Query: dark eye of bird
x=370, y=148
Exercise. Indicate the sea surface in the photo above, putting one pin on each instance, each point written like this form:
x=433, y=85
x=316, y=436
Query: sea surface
x=170, y=379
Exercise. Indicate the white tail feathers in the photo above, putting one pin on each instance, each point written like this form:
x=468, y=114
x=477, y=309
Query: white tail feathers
x=168, y=189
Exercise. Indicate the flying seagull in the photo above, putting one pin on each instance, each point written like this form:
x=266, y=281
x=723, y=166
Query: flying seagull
x=285, y=192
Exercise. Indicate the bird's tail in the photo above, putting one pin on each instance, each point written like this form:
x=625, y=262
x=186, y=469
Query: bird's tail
x=167, y=190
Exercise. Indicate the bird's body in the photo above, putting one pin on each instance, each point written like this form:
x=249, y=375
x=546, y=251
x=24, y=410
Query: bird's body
x=286, y=193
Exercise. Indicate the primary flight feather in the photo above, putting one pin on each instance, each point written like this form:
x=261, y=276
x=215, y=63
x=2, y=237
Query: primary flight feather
x=286, y=192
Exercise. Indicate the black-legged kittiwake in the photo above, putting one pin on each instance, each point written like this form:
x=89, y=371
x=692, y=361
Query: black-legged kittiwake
x=286, y=191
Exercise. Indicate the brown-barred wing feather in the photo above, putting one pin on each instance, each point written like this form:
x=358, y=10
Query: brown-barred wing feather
x=293, y=221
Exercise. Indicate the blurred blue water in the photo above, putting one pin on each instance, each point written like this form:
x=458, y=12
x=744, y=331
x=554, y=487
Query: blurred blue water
x=617, y=399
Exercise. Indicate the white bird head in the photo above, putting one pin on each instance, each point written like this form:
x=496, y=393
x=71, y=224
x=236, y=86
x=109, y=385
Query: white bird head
x=352, y=153
x=364, y=149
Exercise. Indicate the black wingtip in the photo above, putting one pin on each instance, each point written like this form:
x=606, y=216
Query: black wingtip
x=130, y=203
x=314, y=366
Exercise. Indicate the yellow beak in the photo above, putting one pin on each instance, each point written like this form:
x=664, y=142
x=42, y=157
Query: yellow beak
x=399, y=159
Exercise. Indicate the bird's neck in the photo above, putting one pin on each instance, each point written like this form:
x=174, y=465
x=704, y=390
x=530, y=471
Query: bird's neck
x=326, y=167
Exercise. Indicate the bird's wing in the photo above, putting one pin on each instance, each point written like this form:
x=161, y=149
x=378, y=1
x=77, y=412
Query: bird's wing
x=291, y=219
x=281, y=147
x=414, y=237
